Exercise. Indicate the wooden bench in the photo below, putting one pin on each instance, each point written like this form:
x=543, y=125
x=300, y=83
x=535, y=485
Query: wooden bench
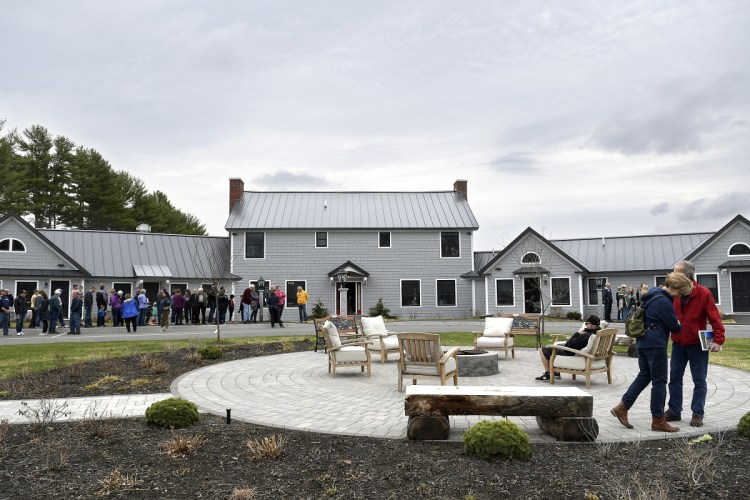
x=525, y=325
x=565, y=413
x=346, y=326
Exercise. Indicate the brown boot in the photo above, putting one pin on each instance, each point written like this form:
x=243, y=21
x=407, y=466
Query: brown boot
x=621, y=413
x=660, y=424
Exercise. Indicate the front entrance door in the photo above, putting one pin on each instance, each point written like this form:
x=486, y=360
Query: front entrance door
x=741, y=292
x=152, y=290
x=531, y=296
x=64, y=287
x=353, y=298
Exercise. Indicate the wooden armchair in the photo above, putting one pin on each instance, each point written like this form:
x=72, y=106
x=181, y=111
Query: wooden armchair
x=342, y=353
x=496, y=336
x=421, y=357
x=345, y=325
x=380, y=340
x=595, y=357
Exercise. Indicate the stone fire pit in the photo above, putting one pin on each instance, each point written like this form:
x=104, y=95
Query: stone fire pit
x=476, y=363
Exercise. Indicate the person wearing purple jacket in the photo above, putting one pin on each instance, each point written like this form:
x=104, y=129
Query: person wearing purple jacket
x=178, y=304
x=115, y=302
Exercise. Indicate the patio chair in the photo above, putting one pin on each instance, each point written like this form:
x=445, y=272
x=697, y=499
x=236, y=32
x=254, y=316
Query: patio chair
x=422, y=357
x=345, y=325
x=595, y=357
x=496, y=336
x=344, y=353
x=380, y=340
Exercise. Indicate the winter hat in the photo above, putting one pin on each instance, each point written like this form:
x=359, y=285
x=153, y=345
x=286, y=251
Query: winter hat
x=58, y=292
x=594, y=320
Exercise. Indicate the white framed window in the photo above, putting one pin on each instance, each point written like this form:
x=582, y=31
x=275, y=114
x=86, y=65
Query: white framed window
x=738, y=249
x=560, y=291
x=291, y=291
x=659, y=280
x=411, y=293
x=591, y=286
x=450, y=245
x=531, y=258
x=255, y=245
x=321, y=239
x=125, y=287
x=445, y=293
x=710, y=281
x=384, y=239
x=505, y=292
x=12, y=245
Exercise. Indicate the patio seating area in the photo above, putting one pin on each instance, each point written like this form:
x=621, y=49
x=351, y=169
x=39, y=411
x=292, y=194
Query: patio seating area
x=296, y=391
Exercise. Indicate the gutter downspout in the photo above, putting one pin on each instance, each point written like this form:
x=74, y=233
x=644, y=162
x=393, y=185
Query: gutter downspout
x=580, y=293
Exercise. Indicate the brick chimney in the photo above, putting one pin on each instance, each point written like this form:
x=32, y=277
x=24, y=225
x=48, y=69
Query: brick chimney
x=460, y=187
x=236, y=188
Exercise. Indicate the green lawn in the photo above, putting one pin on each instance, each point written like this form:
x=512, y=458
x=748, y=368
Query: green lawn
x=29, y=358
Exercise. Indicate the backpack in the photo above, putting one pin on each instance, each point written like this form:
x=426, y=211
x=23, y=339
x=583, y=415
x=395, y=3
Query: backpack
x=635, y=325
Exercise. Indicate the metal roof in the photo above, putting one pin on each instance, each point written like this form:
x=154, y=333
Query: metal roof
x=151, y=271
x=116, y=254
x=631, y=253
x=481, y=258
x=352, y=210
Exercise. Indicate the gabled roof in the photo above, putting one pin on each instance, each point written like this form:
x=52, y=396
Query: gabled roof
x=350, y=268
x=631, y=253
x=737, y=220
x=351, y=210
x=499, y=255
x=145, y=255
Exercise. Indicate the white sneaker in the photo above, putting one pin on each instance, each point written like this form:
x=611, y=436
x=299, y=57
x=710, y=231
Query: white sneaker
x=19, y=333
x=42, y=334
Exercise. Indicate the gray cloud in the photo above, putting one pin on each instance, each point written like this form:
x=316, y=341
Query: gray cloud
x=659, y=209
x=515, y=163
x=283, y=179
x=719, y=208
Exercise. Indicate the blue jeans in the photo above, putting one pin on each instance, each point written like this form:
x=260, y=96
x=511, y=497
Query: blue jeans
x=698, y=359
x=75, y=322
x=87, y=316
x=53, y=321
x=302, y=312
x=5, y=322
x=142, y=313
x=625, y=312
x=19, y=321
x=652, y=364
x=245, y=312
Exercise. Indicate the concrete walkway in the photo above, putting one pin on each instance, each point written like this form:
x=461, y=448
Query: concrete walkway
x=295, y=391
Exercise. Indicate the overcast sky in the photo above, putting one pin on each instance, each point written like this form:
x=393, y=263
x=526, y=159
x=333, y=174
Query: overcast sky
x=579, y=119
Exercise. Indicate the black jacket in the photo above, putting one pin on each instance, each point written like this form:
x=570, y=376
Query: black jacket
x=88, y=299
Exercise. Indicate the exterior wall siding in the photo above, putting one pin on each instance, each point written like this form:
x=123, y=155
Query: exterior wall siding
x=37, y=254
x=414, y=254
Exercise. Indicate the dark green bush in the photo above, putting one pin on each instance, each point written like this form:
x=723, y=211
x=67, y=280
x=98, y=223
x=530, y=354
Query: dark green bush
x=210, y=352
x=744, y=426
x=499, y=438
x=173, y=413
x=319, y=310
x=381, y=310
x=573, y=315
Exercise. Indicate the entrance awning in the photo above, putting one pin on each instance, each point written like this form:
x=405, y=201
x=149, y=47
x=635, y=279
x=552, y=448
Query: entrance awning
x=735, y=263
x=351, y=269
x=151, y=271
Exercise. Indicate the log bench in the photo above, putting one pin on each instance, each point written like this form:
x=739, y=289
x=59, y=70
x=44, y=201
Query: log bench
x=564, y=413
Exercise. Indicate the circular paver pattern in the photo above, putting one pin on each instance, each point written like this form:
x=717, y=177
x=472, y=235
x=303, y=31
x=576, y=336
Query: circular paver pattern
x=296, y=391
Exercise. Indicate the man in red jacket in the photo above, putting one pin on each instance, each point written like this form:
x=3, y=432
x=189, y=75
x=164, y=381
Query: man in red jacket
x=693, y=311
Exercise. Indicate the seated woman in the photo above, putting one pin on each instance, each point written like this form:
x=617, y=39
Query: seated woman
x=578, y=341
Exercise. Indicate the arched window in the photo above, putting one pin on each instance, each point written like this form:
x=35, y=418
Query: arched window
x=739, y=249
x=530, y=258
x=12, y=245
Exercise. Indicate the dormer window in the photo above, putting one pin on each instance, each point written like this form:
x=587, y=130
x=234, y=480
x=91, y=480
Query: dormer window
x=12, y=245
x=530, y=258
x=739, y=249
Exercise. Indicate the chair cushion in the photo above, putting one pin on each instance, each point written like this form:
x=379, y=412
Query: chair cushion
x=391, y=342
x=493, y=342
x=348, y=354
x=373, y=326
x=450, y=366
x=333, y=334
x=577, y=362
x=497, y=327
x=590, y=346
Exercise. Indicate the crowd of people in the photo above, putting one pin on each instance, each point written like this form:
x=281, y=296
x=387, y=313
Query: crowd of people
x=626, y=298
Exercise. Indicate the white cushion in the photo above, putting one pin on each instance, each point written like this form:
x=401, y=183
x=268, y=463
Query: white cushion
x=351, y=353
x=450, y=366
x=493, y=342
x=373, y=326
x=590, y=346
x=497, y=327
x=333, y=334
x=390, y=342
x=577, y=362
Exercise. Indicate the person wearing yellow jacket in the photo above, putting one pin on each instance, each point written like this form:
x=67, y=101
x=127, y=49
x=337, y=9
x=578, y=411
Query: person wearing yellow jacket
x=302, y=304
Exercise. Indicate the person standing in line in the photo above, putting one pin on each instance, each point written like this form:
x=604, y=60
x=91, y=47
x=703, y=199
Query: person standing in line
x=282, y=300
x=211, y=297
x=254, y=304
x=55, y=310
x=659, y=320
x=32, y=307
x=273, y=309
x=101, y=305
x=245, y=303
x=201, y=304
x=143, y=305
x=4, y=311
x=115, y=303
x=641, y=292
x=231, y=307
x=223, y=304
x=130, y=313
x=694, y=311
x=302, y=304
x=20, y=305
x=187, y=309
x=607, y=299
x=164, y=306
x=43, y=311
x=620, y=298
x=76, y=304
x=178, y=304
x=88, y=304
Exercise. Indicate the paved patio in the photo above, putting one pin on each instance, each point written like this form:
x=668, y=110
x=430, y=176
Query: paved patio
x=295, y=391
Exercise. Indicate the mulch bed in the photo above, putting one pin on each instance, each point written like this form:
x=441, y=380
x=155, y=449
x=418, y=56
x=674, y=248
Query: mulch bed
x=78, y=459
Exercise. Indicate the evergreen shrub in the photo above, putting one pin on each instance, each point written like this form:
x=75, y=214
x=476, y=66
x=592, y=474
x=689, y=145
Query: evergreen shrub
x=381, y=310
x=499, y=438
x=574, y=315
x=210, y=352
x=318, y=311
x=744, y=426
x=173, y=413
